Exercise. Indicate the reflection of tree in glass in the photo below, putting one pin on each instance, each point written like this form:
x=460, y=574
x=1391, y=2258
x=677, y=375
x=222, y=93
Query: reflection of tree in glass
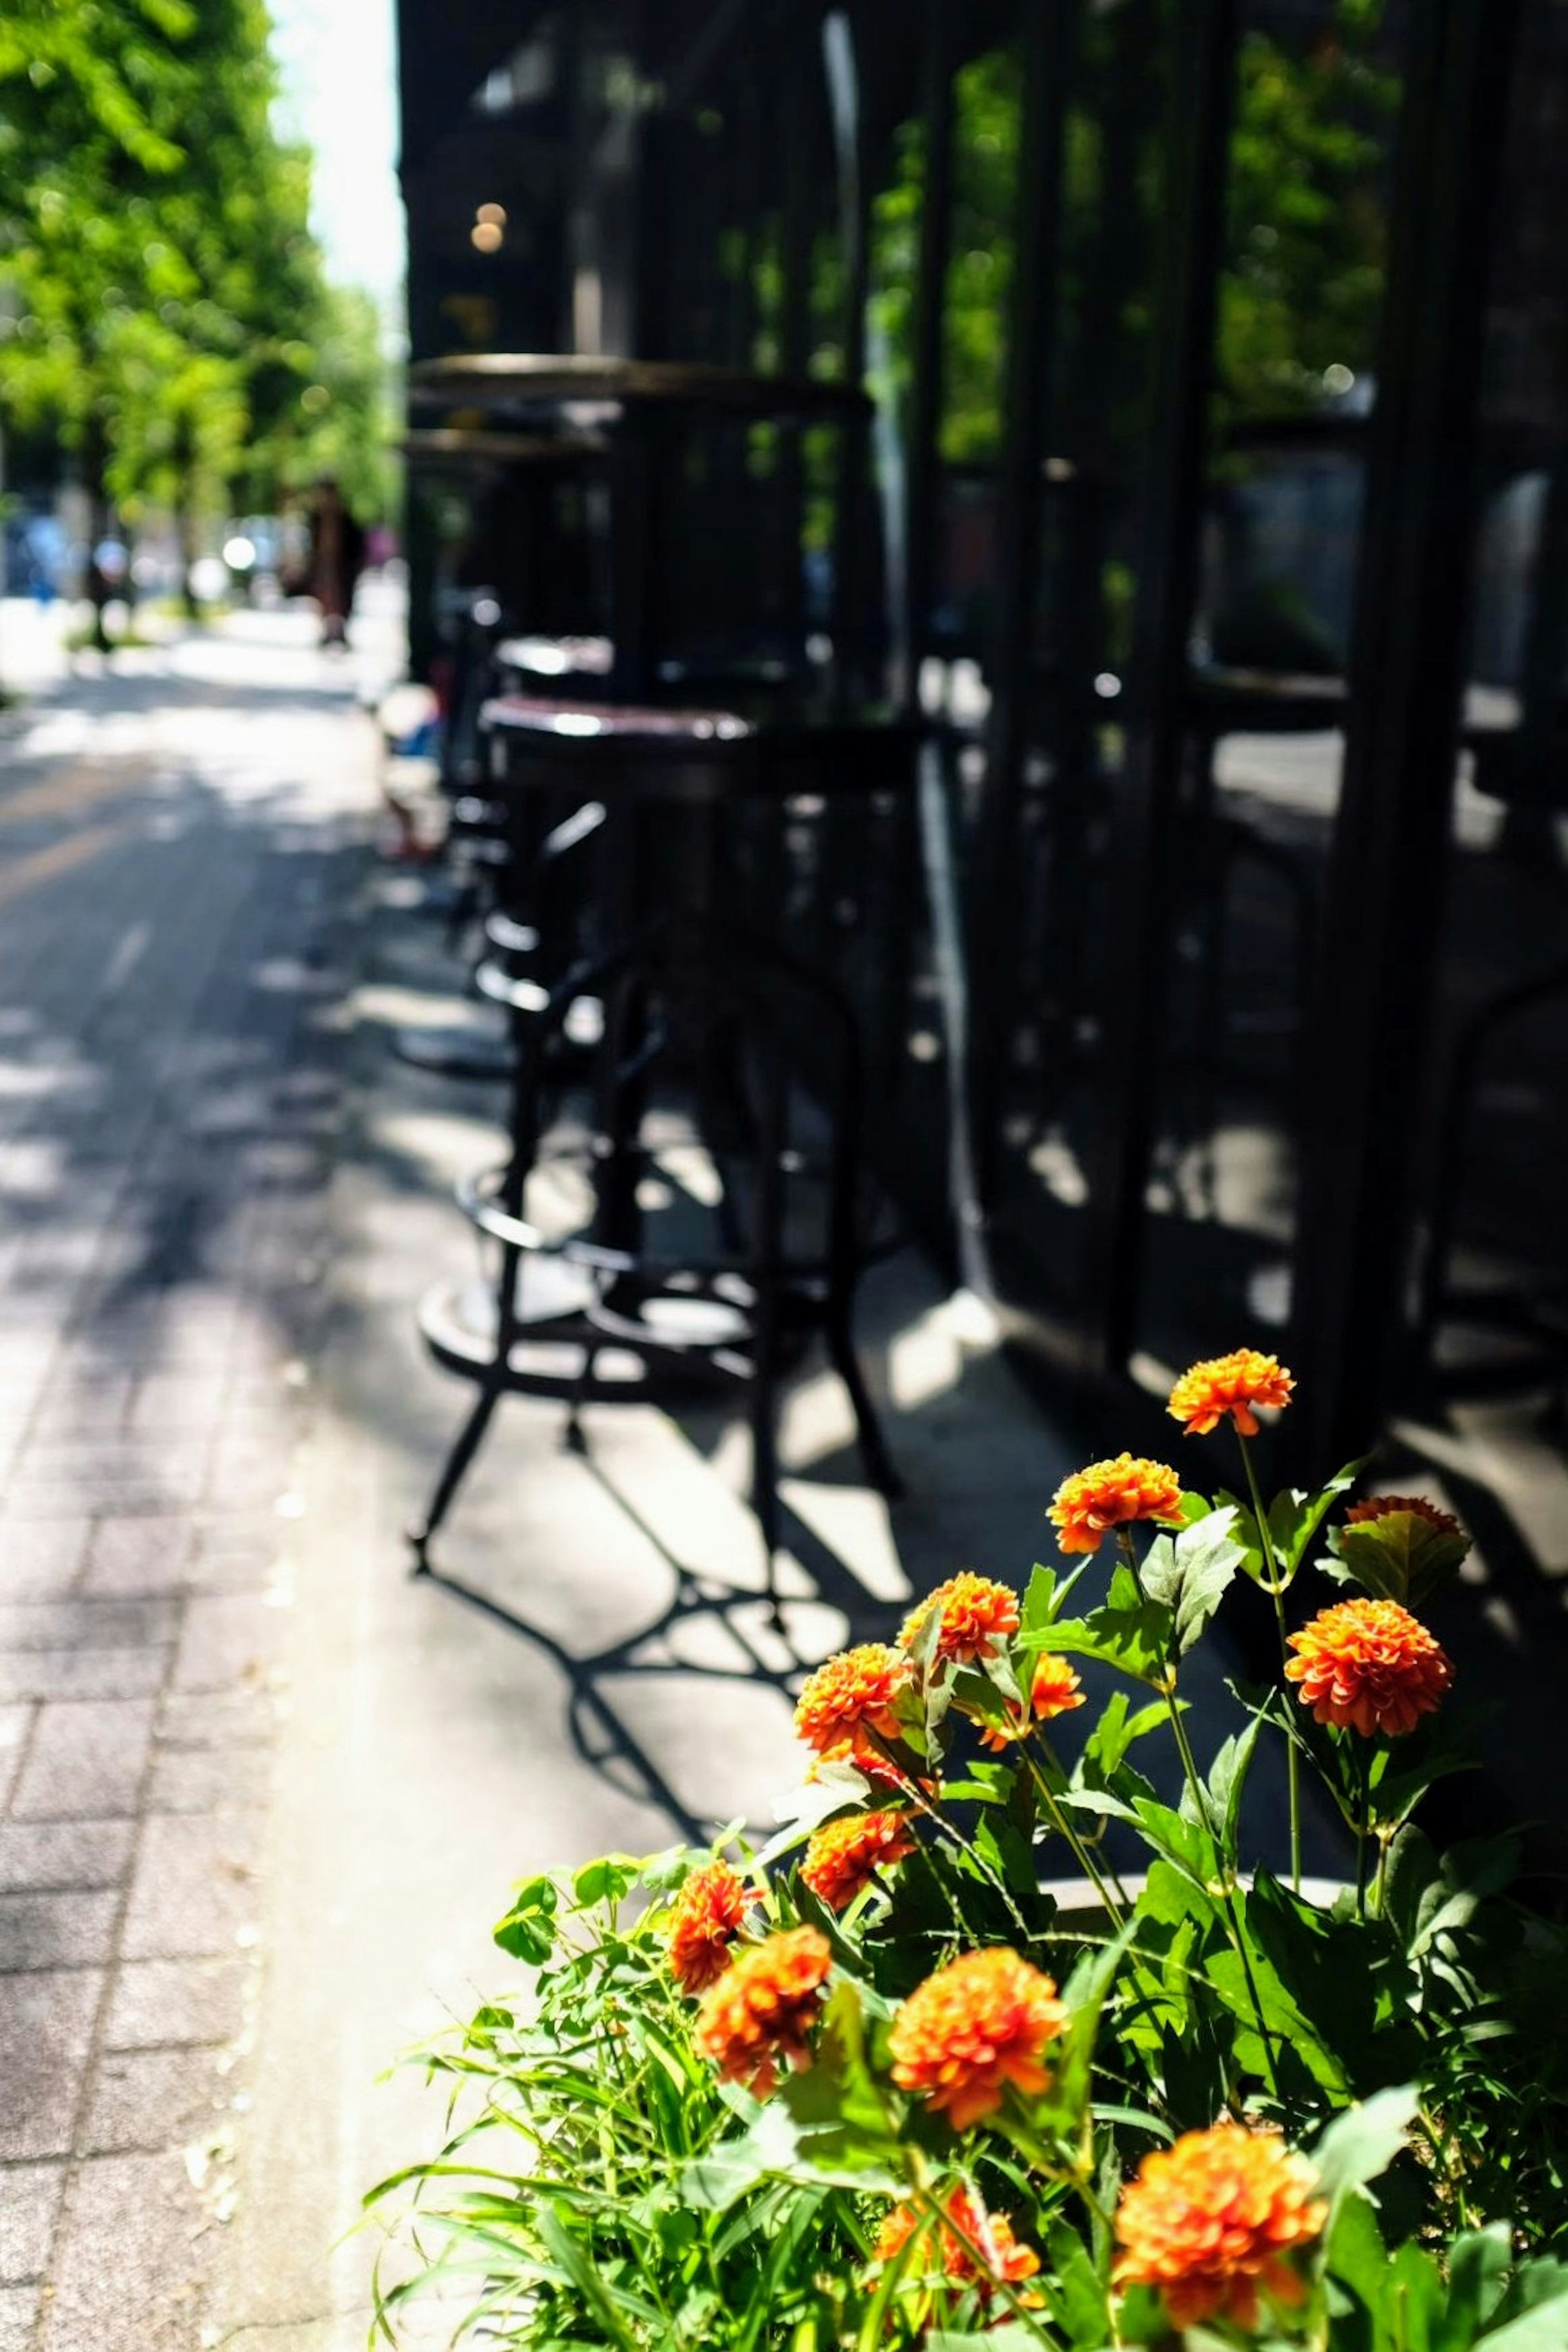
x=1306, y=235
x=1302, y=278
x=986, y=113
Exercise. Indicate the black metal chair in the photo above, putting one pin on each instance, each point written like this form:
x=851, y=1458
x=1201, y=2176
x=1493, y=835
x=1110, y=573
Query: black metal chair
x=710, y=1034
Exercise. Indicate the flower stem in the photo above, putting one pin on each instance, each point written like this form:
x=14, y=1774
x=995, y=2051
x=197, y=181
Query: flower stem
x=1184, y=1746
x=1364, y=1832
x=1229, y=1907
x=1079, y=1852
x=1277, y=1593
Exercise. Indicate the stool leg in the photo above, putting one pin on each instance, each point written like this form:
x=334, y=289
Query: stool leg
x=524, y=1140
x=767, y=1259
x=874, y=1454
x=468, y=1440
x=764, y=1451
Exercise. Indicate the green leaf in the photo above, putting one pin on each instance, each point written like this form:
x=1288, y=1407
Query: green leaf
x=1323, y=1961
x=1074, y=2288
x=1538, y=2289
x=1295, y=1516
x=1186, y=1844
x=714, y=2182
x=1191, y=1571
x=1114, y=1734
x=1084, y=1995
x=1413, y=2298
x=1466, y=1874
x=1542, y=2329
x=1399, y=1556
x=1404, y=1771
x=1131, y=1632
x=1354, y=2256
x=1478, y=2266
x=605, y=1879
x=842, y=2131
x=1364, y=2142
x=1045, y=1597
x=528, y=1930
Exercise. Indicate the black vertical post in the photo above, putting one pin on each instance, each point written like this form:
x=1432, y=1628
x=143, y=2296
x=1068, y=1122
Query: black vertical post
x=1367, y=1041
x=840, y=32
x=1051, y=31
x=923, y=423
x=800, y=185
x=1147, y=802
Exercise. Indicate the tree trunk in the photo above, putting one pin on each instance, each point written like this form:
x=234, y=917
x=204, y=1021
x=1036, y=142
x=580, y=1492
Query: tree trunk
x=97, y=585
x=186, y=528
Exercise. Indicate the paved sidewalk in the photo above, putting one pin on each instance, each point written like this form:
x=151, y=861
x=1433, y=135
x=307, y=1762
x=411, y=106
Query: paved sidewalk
x=178, y=841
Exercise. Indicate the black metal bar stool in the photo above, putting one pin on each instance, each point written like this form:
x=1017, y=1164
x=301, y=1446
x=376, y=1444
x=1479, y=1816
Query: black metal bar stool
x=715, y=1039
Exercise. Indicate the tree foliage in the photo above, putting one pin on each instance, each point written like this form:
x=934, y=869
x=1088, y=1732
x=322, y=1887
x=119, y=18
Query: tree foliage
x=163, y=309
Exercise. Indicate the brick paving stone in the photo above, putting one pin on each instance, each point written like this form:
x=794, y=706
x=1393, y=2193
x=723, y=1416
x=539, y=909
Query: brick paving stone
x=140, y=1556
x=174, y=1405
x=30, y=2199
x=80, y=1673
x=46, y=2033
x=152, y=2099
x=40, y=1855
x=18, y=2311
x=227, y=1638
x=155, y=2002
x=85, y=1624
x=168, y=1485
x=95, y=1408
x=131, y=2248
x=195, y=1890
x=86, y=1760
x=40, y=1558
x=57, y=1931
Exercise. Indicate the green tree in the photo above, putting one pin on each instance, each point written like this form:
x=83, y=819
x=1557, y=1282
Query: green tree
x=170, y=314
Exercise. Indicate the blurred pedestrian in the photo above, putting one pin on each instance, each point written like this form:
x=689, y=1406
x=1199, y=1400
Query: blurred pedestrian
x=336, y=559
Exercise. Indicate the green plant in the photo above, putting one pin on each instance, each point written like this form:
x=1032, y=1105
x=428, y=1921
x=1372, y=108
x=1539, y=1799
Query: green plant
x=1250, y=2114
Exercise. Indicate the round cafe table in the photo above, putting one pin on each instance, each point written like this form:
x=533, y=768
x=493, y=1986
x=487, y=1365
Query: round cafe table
x=639, y=410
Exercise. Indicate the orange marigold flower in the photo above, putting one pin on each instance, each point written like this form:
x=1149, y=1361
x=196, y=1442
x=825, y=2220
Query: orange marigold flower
x=851, y=1697
x=1113, y=1494
x=990, y=2233
x=1054, y=1691
x=971, y=2028
x=1378, y=1506
x=1369, y=1667
x=974, y=1616
x=1214, y=2219
x=845, y=1855
x=763, y=2008
x=1233, y=1384
x=704, y=1921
